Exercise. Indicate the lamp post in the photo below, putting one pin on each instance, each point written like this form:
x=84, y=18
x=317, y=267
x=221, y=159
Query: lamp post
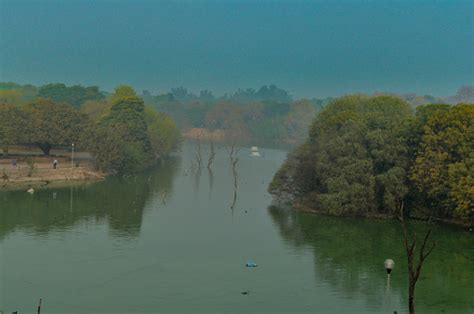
x=72, y=156
x=389, y=265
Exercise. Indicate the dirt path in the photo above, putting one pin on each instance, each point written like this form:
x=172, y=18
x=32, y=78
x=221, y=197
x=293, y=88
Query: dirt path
x=41, y=172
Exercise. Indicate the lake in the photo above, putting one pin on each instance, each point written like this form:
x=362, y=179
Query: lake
x=172, y=240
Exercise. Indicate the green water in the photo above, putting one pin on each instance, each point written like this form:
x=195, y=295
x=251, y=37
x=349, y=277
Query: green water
x=167, y=241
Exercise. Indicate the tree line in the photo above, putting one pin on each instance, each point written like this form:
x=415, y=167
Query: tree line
x=265, y=114
x=119, y=130
x=371, y=156
x=268, y=113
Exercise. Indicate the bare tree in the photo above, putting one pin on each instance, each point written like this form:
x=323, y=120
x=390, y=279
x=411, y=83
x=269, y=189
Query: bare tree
x=212, y=154
x=211, y=181
x=233, y=151
x=414, y=267
x=234, y=161
x=198, y=154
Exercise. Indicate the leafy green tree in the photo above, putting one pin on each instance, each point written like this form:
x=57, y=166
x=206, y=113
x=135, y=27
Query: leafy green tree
x=14, y=124
x=415, y=129
x=443, y=169
x=127, y=111
x=53, y=124
x=127, y=115
x=125, y=137
x=106, y=145
x=355, y=159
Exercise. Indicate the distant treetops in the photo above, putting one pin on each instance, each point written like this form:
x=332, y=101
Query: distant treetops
x=118, y=131
x=369, y=156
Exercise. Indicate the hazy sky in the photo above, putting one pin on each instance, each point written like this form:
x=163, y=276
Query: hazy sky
x=310, y=48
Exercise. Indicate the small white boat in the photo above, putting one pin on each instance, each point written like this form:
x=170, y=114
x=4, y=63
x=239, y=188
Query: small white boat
x=254, y=152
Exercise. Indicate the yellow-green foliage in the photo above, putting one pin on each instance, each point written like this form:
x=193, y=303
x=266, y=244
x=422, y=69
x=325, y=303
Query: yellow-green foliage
x=53, y=124
x=444, y=166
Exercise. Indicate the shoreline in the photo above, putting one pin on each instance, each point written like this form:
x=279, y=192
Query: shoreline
x=17, y=179
x=469, y=225
x=26, y=167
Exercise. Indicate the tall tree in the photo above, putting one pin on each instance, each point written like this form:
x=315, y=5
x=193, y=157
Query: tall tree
x=127, y=115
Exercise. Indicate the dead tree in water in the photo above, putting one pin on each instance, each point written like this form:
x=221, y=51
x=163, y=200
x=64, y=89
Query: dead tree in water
x=234, y=173
x=212, y=154
x=198, y=155
x=233, y=150
x=414, y=268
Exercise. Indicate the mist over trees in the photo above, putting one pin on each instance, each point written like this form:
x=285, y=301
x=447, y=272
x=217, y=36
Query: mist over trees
x=267, y=113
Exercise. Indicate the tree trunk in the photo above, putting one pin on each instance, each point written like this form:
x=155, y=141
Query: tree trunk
x=46, y=148
x=212, y=154
x=410, y=247
x=411, y=298
x=198, y=155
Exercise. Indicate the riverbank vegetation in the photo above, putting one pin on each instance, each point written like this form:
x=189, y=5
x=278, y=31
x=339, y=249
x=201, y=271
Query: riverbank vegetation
x=366, y=156
x=117, y=129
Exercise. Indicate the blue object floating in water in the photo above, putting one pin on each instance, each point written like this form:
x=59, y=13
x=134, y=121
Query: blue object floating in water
x=251, y=264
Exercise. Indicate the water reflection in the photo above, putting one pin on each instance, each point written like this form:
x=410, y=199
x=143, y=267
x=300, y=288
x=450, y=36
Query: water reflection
x=211, y=181
x=118, y=200
x=349, y=254
x=197, y=178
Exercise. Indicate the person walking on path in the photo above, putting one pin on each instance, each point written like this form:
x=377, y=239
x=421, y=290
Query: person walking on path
x=55, y=163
